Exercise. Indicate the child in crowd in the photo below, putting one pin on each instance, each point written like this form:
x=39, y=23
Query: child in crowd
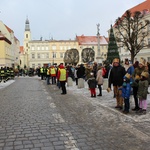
x=92, y=84
x=126, y=91
x=142, y=92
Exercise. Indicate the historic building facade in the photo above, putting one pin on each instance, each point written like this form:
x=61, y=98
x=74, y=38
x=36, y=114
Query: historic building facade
x=9, y=47
x=37, y=53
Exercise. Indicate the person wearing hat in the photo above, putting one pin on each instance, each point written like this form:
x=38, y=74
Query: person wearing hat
x=92, y=83
x=126, y=91
x=116, y=78
x=142, y=92
x=136, y=77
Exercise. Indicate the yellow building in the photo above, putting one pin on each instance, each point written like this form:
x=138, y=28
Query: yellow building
x=9, y=47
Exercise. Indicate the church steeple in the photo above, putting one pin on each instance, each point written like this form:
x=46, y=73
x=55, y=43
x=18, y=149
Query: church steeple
x=27, y=25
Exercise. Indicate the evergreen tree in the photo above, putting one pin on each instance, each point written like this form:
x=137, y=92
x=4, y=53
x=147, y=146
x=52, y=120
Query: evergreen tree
x=112, y=47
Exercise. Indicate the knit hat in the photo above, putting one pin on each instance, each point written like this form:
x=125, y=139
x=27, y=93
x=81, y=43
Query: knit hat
x=127, y=75
x=145, y=74
x=142, y=63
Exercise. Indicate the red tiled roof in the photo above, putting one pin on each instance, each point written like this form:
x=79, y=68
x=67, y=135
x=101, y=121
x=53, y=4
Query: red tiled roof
x=9, y=30
x=90, y=40
x=144, y=6
x=21, y=49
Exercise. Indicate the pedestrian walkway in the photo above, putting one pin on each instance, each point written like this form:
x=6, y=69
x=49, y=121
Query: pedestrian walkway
x=5, y=84
x=35, y=116
x=108, y=102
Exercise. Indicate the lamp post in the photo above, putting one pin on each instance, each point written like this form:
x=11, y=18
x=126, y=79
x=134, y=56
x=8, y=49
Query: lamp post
x=99, y=58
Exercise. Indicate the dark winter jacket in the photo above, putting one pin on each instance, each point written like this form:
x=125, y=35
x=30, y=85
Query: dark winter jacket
x=116, y=76
x=126, y=89
x=92, y=82
x=81, y=72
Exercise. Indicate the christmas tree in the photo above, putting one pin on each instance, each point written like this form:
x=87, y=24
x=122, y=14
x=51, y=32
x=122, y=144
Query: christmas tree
x=112, y=47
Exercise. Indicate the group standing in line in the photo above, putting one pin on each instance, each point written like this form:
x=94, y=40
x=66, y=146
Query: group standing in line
x=124, y=80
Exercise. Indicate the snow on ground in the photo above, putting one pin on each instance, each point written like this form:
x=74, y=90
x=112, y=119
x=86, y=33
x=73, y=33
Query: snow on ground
x=107, y=101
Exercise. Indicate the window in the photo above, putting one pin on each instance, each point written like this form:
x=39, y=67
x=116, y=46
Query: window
x=38, y=56
x=65, y=47
x=53, y=47
x=33, y=56
x=46, y=55
x=54, y=55
x=61, y=55
x=38, y=48
x=33, y=65
x=46, y=47
x=32, y=48
x=26, y=35
x=26, y=44
x=42, y=47
x=61, y=48
x=42, y=55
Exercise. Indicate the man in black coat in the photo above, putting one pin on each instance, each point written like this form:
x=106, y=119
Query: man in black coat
x=116, y=78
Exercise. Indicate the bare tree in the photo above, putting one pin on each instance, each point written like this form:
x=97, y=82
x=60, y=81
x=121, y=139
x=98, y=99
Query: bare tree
x=71, y=56
x=131, y=32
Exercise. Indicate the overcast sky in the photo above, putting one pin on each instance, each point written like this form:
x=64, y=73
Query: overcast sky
x=62, y=19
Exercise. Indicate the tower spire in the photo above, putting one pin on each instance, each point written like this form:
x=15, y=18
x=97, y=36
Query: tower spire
x=27, y=25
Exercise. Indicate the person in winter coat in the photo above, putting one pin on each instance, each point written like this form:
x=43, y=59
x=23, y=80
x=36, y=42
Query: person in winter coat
x=88, y=70
x=128, y=67
x=126, y=91
x=62, y=77
x=81, y=71
x=53, y=74
x=142, y=92
x=92, y=85
x=116, y=78
x=100, y=80
x=136, y=76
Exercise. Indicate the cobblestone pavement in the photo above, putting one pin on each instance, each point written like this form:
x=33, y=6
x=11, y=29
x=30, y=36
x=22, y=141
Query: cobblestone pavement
x=35, y=116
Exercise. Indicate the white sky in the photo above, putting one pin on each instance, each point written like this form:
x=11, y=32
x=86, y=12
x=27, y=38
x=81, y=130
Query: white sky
x=62, y=19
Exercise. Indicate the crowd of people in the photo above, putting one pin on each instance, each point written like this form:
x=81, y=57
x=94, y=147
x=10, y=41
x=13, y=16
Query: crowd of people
x=6, y=73
x=124, y=79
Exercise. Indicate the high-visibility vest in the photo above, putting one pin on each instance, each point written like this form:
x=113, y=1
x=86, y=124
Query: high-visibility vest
x=62, y=75
x=53, y=71
x=8, y=72
x=2, y=73
x=41, y=70
x=11, y=72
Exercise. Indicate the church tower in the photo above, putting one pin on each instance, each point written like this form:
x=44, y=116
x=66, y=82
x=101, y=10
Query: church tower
x=27, y=38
